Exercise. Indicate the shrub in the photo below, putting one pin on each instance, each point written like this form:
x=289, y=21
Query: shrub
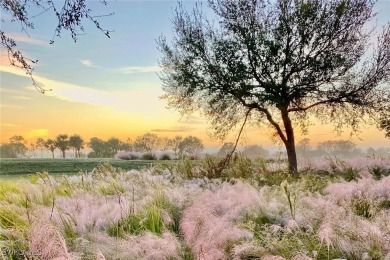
x=148, y=156
x=165, y=157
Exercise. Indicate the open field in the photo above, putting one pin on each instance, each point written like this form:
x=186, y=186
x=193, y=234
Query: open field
x=333, y=209
x=28, y=166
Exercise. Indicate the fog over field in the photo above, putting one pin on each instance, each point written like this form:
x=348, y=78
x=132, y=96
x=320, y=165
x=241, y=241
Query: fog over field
x=207, y=130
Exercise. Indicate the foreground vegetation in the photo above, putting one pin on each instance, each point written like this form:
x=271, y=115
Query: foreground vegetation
x=333, y=210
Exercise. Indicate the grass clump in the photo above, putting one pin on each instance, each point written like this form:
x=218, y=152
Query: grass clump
x=379, y=172
x=7, y=188
x=69, y=223
x=149, y=219
x=340, y=168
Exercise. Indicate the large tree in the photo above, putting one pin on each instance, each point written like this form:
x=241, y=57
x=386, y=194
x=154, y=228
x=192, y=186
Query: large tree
x=68, y=13
x=278, y=62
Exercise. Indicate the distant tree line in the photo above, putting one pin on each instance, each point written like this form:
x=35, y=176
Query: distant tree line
x=329, y=148
x=18, y=148
x=147, y=143
x=178, y=146
x=337, y=148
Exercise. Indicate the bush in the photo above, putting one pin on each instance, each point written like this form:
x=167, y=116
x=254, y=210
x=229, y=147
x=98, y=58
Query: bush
x=148, y=156
x=165, y=157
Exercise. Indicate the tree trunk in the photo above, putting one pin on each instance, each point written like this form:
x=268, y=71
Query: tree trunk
x=52, y=153
x=292, y=157
x=63, y=153
x=290, y=143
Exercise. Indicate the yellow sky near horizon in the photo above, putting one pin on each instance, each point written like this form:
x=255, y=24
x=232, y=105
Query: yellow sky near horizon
x=72, y=109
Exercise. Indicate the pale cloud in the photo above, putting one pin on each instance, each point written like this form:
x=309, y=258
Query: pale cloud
x=145, y=102
x=21, y=97
x=8, y=125
x=173, y=130
x=140, y=69
x=13, y=70
x=10, y=106
x=19, y=37
x=129, y=101
x=88, y=63
x=192, y=120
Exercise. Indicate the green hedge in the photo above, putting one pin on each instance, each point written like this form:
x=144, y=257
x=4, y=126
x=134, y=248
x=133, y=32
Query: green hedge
x=26, y=166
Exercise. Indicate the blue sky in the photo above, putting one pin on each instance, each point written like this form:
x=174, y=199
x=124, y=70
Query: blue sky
x=109, y=86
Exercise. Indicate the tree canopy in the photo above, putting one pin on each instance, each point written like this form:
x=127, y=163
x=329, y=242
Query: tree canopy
x=69, y=13
x=278, y=63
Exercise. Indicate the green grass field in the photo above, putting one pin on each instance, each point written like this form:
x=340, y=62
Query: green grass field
x=9, y=167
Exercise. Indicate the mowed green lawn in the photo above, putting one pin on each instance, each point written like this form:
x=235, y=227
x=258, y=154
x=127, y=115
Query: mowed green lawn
x=28, y=166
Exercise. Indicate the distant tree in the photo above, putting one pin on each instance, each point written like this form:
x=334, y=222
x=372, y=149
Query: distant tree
x=146, y=143
x=17, y=146
x=254, y=151
x=76, y=142
x=278, y=63
x=51, y=146
x=98, y=147
x=370, y=152
x=40, y=144
x=62, y=143
x=303, y=147
x=165, y=143
x=174, y=143
x=69, y=14
x=32, y=149
x=383, y=152
x=343, y=148
x=190, y=146
x=113, y=145
x=126, y=145
x=6, y=151
x=225, y=149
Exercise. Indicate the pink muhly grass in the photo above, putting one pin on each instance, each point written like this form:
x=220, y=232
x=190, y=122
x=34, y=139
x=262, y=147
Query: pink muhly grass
x=208, y=224
x=361, y=164
x=144, y=246
x=340, y=223
x=46, y=241
x=272, y=257
x=93, y=212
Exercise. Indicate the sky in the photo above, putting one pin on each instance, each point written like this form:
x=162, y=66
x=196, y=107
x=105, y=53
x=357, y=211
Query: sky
x=109, y=87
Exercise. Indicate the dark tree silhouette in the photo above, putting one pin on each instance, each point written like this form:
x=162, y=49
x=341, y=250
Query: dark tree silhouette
x=385, y=125
x=62, y=143
x=76, y=142
x=69, y=14
x=51, y=145
x=280, y=61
